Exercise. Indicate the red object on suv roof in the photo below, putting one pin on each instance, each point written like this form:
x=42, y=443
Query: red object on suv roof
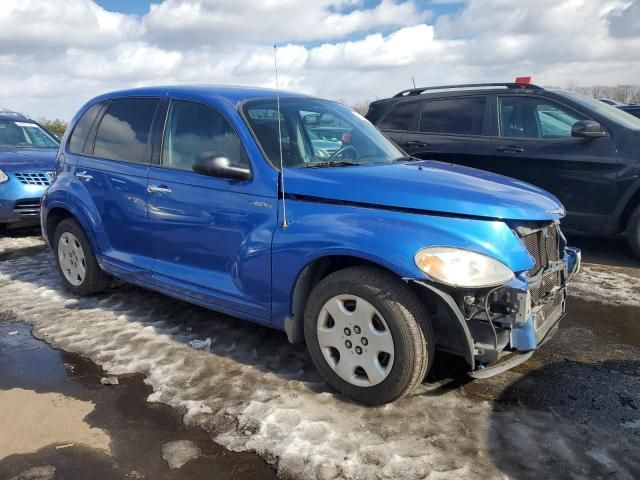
x=526, y=80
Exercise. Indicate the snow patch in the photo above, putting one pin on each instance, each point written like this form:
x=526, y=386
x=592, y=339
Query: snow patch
x=179, y=452
x=606, y=284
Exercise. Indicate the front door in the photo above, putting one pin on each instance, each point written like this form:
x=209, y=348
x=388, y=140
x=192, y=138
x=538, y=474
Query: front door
x=534, y=144
x=211, y=236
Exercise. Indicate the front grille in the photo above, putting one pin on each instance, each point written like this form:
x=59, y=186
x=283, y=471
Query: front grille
x=544, y=247
x=546, y=315
x=28, y=207
x=35, y=178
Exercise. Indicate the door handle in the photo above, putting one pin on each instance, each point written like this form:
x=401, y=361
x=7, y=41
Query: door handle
x=158, y=189
x=84, y=176
x=510, y=149
x=416, y=143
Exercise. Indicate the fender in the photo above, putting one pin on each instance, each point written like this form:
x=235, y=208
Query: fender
x=631, y=198
x=385, y=238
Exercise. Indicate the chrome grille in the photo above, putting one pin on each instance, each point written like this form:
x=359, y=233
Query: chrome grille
x=35, y=178
x=27, y=207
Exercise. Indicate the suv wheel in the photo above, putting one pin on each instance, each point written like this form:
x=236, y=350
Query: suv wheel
x=77, y=265
x=633, y=231
x=368, y=334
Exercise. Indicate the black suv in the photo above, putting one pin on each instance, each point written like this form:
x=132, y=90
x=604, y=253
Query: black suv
x=584, y=151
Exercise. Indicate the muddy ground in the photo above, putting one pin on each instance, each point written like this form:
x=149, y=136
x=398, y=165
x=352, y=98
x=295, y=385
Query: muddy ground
x=254, y=407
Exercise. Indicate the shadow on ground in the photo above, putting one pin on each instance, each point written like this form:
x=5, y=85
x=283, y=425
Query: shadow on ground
x=589, y=403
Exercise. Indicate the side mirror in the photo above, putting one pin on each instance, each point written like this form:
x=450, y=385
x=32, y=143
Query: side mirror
x=216, y=164
x=588, y=129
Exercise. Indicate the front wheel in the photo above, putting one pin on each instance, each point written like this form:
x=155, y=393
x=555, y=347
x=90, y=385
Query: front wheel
x=633, y=231
x=77, y=265
x=368, y=334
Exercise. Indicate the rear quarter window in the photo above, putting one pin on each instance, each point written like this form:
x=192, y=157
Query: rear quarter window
x=460, y=116
x=82, y=128
x=124, y=132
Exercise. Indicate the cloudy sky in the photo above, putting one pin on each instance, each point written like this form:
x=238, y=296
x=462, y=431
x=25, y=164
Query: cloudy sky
x=56, y=54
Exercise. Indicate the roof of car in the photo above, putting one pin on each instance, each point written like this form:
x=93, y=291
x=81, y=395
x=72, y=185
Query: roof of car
x=15, y=116
x=234, y=94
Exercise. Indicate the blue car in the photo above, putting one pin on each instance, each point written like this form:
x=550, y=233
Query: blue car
x=27, y=159
x=219, y=196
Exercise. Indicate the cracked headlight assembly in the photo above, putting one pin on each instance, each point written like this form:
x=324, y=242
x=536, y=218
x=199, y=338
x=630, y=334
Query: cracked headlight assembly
x=3, y=177
x=462, y=268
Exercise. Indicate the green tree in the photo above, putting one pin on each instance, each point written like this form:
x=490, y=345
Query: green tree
x=56, y=126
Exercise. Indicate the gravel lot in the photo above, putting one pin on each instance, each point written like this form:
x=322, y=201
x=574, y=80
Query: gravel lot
x=571, y=411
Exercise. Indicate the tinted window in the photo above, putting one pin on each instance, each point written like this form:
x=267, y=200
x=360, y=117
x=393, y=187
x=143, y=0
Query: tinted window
x=462, y=116
x=81, y=130
x=125, y=130
x=531, y=117
x=400, y=117
x=195, y=131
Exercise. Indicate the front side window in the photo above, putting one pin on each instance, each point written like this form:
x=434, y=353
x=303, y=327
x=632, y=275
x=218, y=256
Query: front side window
x=536, y=118
x=400, y=117
x=195, y=131
x=81, y=130
x=25, y=134
x=125, y=130
x=316, y=133
x=457, y=116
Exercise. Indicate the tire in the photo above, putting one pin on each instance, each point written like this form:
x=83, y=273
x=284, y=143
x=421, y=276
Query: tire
x=385, y=368
x=83, y=276
x=633, y=231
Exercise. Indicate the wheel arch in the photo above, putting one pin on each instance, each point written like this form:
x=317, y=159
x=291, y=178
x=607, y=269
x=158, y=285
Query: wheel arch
x=452, y=333
x=56, y=213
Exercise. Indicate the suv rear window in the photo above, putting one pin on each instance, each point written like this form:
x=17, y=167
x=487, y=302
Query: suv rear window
x=461, y=116
x=125, y=130
x=400, y=117
x=81, y=130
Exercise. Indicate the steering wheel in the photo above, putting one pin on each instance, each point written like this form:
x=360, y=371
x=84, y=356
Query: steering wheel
x=342, y=150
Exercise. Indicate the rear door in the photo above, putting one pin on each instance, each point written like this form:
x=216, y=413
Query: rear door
x=534, y=144
x=211, y=236
x=113, y=171
x=452, y=130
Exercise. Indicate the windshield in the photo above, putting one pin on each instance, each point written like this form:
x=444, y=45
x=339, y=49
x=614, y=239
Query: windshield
x=317, y=133
x=25, y=134
x=612, y=113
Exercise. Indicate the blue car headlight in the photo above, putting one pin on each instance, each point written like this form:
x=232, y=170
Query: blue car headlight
x=3, y=177
x=462, y=268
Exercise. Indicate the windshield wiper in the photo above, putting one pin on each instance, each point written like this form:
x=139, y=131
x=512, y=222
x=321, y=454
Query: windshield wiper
x=406, y=158
x=337, y=163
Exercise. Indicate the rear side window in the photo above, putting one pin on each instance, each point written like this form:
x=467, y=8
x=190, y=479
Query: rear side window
x=400, y=117
x=195, y=131
x=125, y=130
x=81, y=130
x=460, y=116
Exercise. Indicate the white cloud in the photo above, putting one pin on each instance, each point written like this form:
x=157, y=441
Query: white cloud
x=57, y=54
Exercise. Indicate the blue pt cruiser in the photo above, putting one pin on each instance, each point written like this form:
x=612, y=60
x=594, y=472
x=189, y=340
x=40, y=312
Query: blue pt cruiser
x=296, y=213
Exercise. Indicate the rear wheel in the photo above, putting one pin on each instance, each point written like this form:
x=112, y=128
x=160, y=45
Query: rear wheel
x=368, y=334
x=633, y=231
x=77, y=265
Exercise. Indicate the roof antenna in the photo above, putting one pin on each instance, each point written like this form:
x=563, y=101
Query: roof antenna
x=285, y=224
x=414, y=82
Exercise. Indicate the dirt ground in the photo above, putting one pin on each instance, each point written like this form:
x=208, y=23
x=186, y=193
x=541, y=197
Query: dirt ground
x=253, y=406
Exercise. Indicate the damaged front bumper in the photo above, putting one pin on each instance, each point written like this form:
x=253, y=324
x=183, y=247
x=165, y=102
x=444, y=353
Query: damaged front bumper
x=503, y=326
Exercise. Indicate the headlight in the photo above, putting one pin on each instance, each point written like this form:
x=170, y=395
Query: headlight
x=462, y=268
x=3, y=177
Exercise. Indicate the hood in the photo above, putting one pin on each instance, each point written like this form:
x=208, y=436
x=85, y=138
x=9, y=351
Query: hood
x=21, y=158
x=427, y=186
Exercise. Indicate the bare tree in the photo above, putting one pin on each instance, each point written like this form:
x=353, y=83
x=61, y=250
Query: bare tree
x=619, y=93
